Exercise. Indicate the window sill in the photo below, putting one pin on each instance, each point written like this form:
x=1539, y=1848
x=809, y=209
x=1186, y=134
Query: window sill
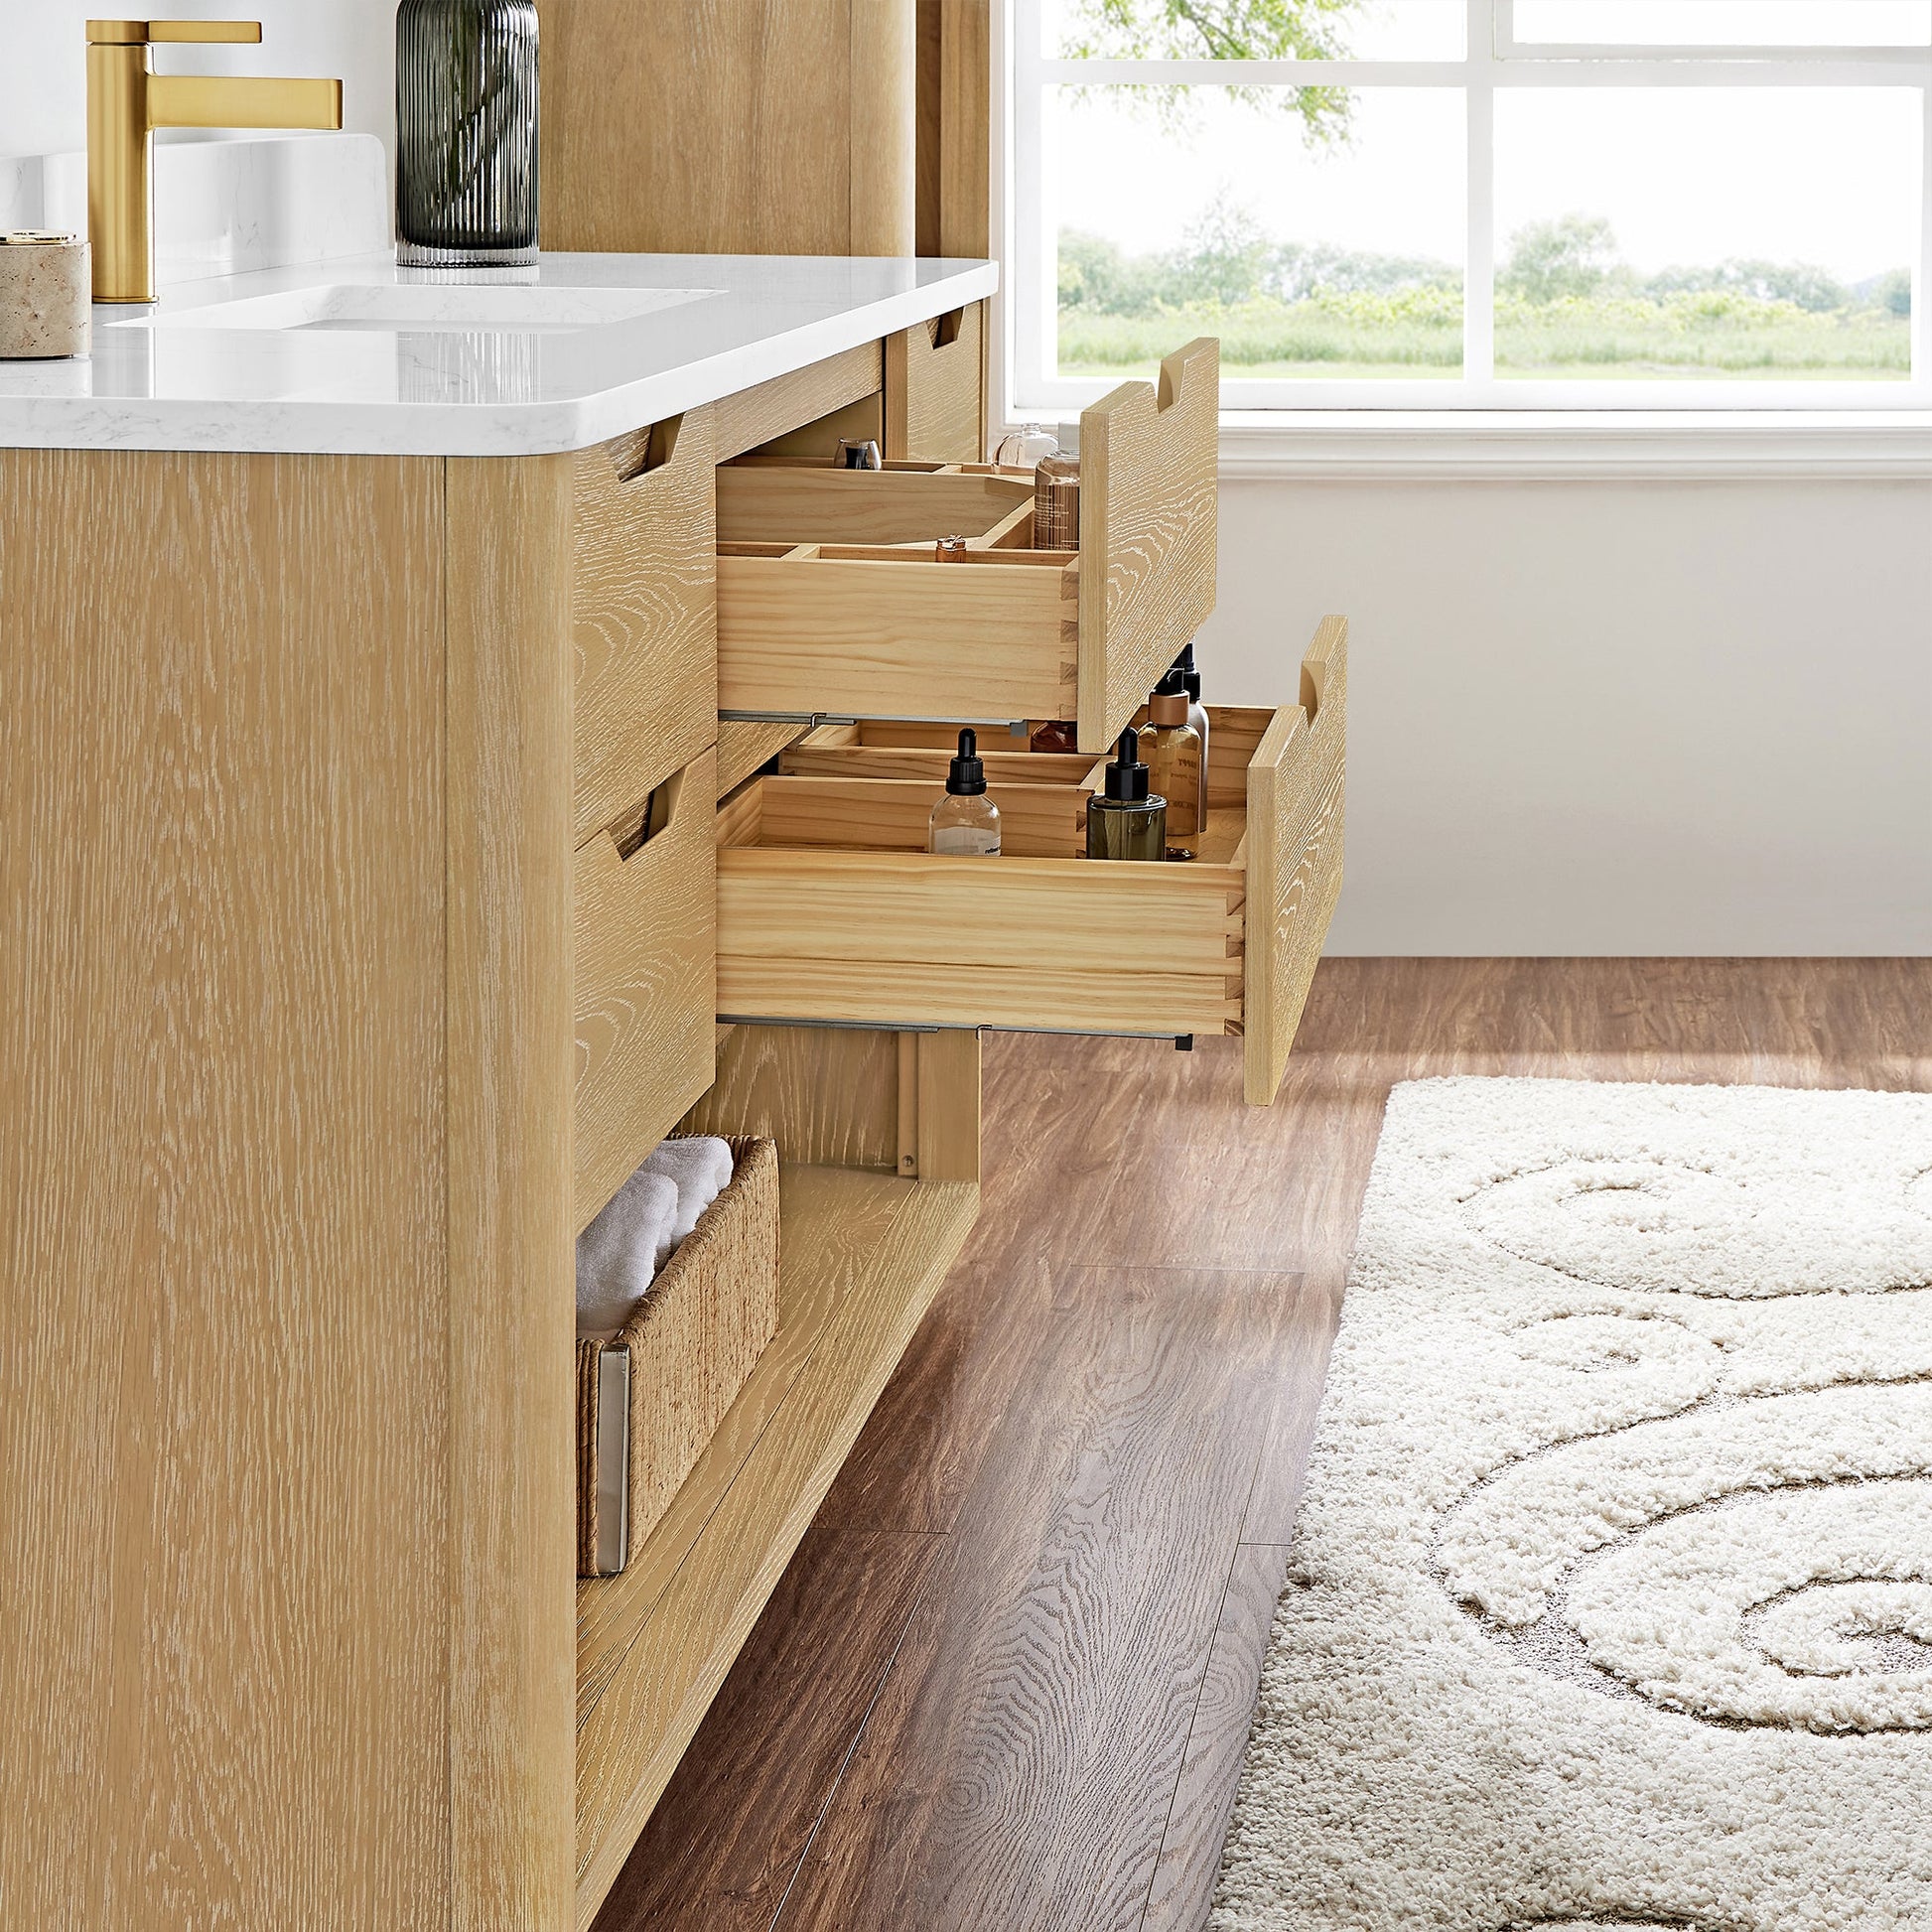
x=1449, y=445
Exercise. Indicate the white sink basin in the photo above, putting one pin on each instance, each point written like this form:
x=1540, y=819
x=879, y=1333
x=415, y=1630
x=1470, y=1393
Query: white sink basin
x=426, y=308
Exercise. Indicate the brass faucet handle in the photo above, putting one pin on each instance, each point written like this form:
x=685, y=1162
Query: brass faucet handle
x=140, y=33
x=246, y=33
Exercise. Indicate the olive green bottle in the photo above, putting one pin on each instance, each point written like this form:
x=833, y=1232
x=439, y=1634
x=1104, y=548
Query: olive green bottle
x=1127, y=820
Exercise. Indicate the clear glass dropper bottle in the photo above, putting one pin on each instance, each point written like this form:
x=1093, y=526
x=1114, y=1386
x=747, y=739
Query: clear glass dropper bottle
x=965, y=823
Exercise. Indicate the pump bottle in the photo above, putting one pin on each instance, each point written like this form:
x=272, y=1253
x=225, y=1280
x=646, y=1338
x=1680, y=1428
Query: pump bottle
x=1171, y=748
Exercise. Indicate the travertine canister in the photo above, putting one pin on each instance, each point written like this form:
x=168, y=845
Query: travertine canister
x=46, y=295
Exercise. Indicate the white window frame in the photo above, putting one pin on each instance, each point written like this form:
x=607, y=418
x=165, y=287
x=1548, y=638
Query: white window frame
x=1495, y=59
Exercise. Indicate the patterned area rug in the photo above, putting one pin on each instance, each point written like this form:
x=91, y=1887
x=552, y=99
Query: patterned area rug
x=1611, y=1595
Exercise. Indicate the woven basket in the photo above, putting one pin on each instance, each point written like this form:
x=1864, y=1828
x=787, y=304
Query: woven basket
x=692, y=1345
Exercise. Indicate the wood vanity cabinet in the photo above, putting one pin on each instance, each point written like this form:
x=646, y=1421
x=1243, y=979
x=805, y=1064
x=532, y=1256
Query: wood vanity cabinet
x=379, y=865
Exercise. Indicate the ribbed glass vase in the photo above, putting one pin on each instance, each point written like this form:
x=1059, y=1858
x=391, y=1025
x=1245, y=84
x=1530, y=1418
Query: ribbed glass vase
x=466, y=133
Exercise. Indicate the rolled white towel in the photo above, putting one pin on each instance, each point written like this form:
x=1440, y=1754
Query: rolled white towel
x=620, y=1252
x=701, y=1169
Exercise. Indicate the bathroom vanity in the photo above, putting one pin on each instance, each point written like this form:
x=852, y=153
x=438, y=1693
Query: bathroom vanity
x=431, y=777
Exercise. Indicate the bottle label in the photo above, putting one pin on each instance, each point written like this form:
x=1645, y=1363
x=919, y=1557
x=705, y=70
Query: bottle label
x=966, y=842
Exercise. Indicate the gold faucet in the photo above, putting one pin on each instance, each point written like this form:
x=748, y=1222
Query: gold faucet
x=127, y=101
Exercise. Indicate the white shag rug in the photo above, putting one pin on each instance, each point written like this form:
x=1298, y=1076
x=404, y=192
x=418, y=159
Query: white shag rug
x=1610, y=1603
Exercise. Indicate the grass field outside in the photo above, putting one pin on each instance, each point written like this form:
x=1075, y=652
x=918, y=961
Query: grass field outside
x=1417, y=334
x=1566, y=308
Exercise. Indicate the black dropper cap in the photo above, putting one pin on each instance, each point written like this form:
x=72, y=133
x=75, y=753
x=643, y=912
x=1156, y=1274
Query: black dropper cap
x=966, y=776
x=1183, y=667
x=1127, y=777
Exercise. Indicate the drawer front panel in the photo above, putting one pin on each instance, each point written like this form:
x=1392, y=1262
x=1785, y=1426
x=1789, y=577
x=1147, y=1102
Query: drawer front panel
x=1295, y=827
x=902, y=938
x=645, y=985
x=932, y=388
x=875, y=637
x=644, y=614
x=1148, y=533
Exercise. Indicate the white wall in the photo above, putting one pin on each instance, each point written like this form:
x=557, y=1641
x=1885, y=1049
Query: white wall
x=1609, y=718
x=43, y=62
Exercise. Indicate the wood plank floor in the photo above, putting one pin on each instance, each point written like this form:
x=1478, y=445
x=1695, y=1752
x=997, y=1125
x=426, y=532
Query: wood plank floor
x=1006, y=1682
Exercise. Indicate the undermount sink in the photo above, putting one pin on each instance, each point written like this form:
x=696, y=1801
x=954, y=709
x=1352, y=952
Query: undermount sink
x=426, y=308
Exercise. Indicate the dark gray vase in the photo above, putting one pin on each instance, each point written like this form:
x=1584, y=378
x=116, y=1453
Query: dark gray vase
x=466, y=133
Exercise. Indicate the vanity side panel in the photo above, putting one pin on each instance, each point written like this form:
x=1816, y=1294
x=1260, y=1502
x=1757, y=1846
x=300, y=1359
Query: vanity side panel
x=224, y=1372
x=511, y=1615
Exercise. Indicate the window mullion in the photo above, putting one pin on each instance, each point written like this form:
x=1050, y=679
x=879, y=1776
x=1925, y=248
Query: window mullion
x=1035, y=252
x=1479, y=266
x=1922, y=268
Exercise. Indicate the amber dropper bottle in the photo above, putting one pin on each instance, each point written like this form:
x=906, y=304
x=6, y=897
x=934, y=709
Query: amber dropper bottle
x=1197, y=714
x=1171, y=748
x=1127, y=820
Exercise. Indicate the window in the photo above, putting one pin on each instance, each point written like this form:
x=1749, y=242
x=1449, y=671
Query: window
x=1494, y=203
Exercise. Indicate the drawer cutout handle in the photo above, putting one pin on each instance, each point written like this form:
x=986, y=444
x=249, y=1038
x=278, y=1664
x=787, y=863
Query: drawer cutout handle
x=656, y=816
x=944, y=330
x=644, y=450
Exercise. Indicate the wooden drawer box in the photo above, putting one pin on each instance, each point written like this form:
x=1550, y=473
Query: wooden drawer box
x=643, y=590
x=643, y=1417
x=645, y=925
x=932, y=388
x=828, y=910
x=830, y=598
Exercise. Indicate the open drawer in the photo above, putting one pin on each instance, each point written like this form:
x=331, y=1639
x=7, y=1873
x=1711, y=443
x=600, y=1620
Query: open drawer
x=830, y=909
x=831, y=599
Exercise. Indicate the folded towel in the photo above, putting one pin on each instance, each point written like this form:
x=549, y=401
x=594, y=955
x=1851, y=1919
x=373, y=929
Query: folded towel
x=620, y=1252
x=701, y=1168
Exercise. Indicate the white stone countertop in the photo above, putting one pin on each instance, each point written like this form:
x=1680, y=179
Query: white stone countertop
x=617, y=341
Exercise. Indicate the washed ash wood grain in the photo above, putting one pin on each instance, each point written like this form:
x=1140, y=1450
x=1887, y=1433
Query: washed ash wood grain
x=1149, y=457
x=507, y=711
x=1037, y=821
x=1294, y=855
x=786, y=502
x=224, y=1018
x=932, y=388
x=829, y=1096
x=643, y=611
x=645, y=989
x=762, y=127
x=771, y=410
x=744, y=743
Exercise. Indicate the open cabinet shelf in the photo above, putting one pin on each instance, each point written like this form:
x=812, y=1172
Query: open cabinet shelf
x=861, y=1256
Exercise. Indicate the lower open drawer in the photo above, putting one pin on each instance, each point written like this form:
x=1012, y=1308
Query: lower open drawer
x=830, y=909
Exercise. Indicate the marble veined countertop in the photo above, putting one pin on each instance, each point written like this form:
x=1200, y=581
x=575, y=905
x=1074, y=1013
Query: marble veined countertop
x=357, y=356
